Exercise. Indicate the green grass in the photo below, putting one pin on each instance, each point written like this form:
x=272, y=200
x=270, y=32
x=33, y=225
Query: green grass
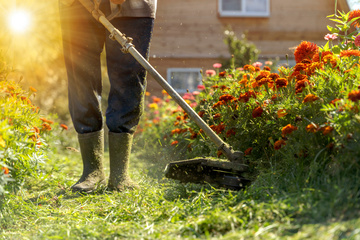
x=163, y=209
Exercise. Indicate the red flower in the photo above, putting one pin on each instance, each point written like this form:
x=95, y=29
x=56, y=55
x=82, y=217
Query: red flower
x=257, y=112
x=305, y=51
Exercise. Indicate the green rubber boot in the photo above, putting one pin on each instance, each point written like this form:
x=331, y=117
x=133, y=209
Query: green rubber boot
x=119, y=151
x=92, y=151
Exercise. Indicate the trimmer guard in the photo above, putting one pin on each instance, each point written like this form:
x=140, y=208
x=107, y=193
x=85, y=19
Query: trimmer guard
x=204, y=170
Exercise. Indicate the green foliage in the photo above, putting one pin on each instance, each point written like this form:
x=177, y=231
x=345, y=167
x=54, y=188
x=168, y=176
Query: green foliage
x=24, y=134
x=301, y=122
x=243, y=51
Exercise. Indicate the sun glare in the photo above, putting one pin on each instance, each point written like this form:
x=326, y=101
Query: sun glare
x=19, y=20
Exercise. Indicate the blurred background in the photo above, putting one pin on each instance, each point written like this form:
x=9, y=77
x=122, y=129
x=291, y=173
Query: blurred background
x=189, y=36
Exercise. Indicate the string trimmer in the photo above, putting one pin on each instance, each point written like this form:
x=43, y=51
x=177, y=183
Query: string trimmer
x=199, y=170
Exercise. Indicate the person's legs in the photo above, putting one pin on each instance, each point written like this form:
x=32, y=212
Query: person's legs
x=126, y=97
x=83, y=40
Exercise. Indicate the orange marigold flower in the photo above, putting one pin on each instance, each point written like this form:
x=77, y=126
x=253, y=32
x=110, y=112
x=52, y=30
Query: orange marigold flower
x=349, y=53
x=257, y=112
x=274, y=76
x=218, y=128
x=354, y=95
x=37, y=130
x=46, y=127
x=217, y=116
x=299, y=67
x=222, y=74
x=201, y=113
x=46, y=120
x=316, y=57
x=354, y=14
x=334, y=101
x=32, y=89
x=64, y=126
x=305, y=51
x=244, y=97
x=313, y=128
x=10, y=87
x=263, y=74
x=267, y=68
x=156, y=99
x=300, y=85
x=5, y=170
x=218, y=104
x=248, y=151
x=281, y=82
x=281, y=113
x=326, y=130
x=279, y=143
x=193, y=135
x=310, y=98
x=147, y=94
x=176, y=130
x=174, y=143
x=227, y=98
x=249, y=68
x=288, y=129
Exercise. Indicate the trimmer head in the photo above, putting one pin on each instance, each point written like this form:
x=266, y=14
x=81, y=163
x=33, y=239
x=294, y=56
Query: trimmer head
x=205, y=170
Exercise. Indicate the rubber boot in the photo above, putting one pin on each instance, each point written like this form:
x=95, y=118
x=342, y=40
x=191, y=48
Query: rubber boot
x=92, y=151
x=119, y=151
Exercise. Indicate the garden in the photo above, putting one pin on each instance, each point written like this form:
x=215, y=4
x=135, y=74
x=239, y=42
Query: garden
x=298, y=127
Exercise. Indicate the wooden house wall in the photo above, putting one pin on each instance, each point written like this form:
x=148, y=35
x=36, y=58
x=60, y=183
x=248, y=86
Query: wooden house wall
x=189, y=33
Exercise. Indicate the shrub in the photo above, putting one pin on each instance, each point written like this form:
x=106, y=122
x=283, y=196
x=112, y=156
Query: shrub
x=24, y=133
x=298, y=120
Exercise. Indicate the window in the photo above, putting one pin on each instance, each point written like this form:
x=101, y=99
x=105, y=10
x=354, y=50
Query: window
x=244, y=8
x=183, y=79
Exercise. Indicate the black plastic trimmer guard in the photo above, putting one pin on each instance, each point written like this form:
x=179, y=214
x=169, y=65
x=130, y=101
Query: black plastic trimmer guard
x=205, y=170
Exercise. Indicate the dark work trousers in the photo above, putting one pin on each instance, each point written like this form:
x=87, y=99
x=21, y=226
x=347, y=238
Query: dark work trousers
x=83, y=41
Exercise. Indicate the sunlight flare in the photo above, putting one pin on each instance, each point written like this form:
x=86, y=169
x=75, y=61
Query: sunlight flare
x=19, y=20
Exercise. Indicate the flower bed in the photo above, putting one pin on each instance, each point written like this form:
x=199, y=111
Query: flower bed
x=306, y=116
x=24, y=133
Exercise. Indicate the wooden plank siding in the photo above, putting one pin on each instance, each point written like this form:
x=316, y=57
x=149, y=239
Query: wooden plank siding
x=189, y=33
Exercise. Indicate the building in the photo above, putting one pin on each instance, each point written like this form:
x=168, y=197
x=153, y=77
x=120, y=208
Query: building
x=188, y=34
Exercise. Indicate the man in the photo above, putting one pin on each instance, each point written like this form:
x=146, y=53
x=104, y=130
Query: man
x=83, y=42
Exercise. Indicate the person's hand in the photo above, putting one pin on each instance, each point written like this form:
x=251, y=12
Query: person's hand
x=118, y=1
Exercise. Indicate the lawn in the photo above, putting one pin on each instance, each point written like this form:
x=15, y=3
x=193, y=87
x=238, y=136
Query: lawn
x=163, y=209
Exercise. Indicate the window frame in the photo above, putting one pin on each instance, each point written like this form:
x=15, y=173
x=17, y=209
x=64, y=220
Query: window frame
x=192, y=70
x=244, y=13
